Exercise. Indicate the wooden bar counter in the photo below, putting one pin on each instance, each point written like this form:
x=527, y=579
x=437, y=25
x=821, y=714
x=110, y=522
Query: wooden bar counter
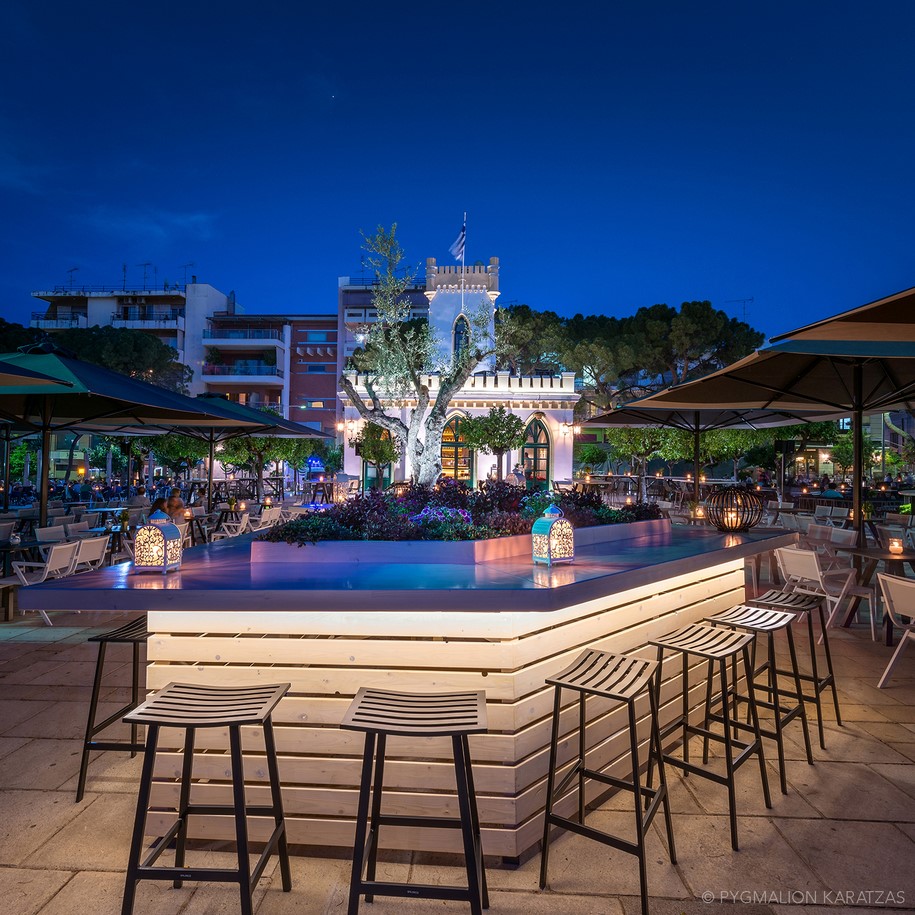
x=331, y=619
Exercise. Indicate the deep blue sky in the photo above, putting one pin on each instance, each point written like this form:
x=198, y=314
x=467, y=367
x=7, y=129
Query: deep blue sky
x=613, y=155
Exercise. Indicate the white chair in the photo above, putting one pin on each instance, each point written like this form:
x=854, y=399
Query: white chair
x=833, y=558
x=816, y=537
x=802, y=573
x=231, y=528
x=184, y=528
x=899, y=601
x=91, y=554
x=51, y=534
x=77, y=528
x=267, y=518
x=822, y=514
x=60, y=560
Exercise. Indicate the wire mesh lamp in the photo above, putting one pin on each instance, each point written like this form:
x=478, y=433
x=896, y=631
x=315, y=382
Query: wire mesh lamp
x=733, y=508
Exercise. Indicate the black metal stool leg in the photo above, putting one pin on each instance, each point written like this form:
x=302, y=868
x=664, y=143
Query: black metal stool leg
x=241, y=821
x=639, y=820
x=135, y=696
x=709, y=679
x=751, y=693
x=470, y=847
x=832, y=676
x=475, y=820
x=662, y=775
x=776, y=702
x=550, y=785
x=728, y=749
x=799, y=690
x=276, y=794
x=685, y=711
x=139, y=825
x=90, y=723
x=362, y=818
x=184, y=800
x=375, y=821
x=581, y=758
x=816, y=676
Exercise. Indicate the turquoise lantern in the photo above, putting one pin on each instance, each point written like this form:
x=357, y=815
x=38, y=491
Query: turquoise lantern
x=157, y=545
x=552, y=538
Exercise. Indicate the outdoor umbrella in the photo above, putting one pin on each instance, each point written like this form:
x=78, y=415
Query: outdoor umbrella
x=698, y=421
x=237, y=420
x=838, y=376
x=89, y=395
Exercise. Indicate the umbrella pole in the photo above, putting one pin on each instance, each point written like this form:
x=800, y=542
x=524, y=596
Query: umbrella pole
x=696, y=435
x=45, y=474
x=6, y=468
x=210, y=463
x=857, y=427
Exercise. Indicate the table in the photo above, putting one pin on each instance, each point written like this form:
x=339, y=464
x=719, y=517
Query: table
x=7, y=550
x=871, y=557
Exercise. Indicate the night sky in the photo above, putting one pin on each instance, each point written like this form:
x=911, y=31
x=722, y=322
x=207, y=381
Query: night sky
x=612, y=155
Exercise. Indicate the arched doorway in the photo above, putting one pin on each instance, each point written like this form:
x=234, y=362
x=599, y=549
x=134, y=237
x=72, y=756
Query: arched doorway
x=457, y=458
x=535, y=455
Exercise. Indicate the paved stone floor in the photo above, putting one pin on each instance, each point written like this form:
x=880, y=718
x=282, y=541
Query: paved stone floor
x=843, y=839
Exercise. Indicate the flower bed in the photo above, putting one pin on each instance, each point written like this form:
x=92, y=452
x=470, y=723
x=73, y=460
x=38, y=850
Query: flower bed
x=449, y=512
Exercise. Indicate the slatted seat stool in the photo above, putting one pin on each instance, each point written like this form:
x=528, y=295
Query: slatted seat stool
x=716, y=647
x=622, y=679
x=189, y=706
x=766, y=623
x=808, y=604
x=380, y=713
x=133, y=633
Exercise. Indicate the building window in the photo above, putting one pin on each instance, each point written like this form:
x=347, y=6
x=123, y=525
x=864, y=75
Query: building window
x=312, y=405
x=460, y=335
x=319, y=367
x=535, y=455
x=457, y=458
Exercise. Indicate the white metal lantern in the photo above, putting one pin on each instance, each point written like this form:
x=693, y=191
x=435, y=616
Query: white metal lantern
x=553, y=538
x=157, y=545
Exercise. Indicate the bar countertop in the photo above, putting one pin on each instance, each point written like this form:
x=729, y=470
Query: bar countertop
x=220, y=577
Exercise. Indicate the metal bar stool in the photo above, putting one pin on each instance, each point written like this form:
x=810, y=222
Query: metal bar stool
x=135, y=634
x=623, y=679
x=716, y=647
x=189, y=706
x=380, y=713
x=799, y=602
x=766, y=623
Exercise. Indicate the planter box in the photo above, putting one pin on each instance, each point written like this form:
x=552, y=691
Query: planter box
x=431, y=552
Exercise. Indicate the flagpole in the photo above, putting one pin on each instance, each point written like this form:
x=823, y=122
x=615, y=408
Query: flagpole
x=463, y=249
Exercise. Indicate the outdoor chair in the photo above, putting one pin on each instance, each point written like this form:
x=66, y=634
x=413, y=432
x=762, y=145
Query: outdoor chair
x=60, y=560
x=76, y=528
x=899, y=603
x=822, y=514
x=6, y=529
x=91, y=553
x=231, y=528
x=48, y=535
x=803, y=573
x=267, y=518
x=832, y=558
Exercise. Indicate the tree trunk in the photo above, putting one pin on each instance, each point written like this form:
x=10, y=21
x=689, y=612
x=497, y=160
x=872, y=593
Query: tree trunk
x=73, y=443
x=500, y=455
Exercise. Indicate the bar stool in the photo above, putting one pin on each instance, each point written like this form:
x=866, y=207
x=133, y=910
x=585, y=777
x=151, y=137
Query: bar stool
x=767, y=622
x=133, y=633
x=716, y=647
x=380, y=713
x=189, y=706
x=623, y=679
x=807, y=604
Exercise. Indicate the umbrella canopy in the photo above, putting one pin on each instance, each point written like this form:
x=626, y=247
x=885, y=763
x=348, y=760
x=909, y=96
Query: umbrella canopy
x=92, y=396
x=848, y=376
x=889, y=318
x=12, y=376
x=698, y=421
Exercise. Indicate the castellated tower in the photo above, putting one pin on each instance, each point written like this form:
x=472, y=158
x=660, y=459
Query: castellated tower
x=456, y=291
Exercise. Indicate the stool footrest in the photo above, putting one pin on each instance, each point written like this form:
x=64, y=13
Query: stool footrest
x=120, y=713
x=394, y=819
x=115, y=745
x=216, y=874
x=414, y=890
x=215, y=810
x=590, y=833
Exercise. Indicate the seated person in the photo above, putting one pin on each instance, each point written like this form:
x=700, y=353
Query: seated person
x=174, y=505
x=140, y=500
x=831, y=492
x=158, y=506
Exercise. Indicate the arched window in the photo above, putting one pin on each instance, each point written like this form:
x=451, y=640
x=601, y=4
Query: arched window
x=535, y=455
x=457, y=458
x=461, y=334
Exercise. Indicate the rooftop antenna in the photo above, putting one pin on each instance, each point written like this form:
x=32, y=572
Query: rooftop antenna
x=742, y=302
x=71, y=271
x=145, y=265
x=184, y=268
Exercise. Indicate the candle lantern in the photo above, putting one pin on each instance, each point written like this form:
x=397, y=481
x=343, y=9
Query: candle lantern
x=157, y=545
x=552, y=538
x=895, y=545
x=732, y=508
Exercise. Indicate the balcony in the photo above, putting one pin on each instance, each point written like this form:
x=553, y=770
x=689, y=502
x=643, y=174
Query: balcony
x=147, y=319
x=243, y=372
x=235, y=334
x=44, y=321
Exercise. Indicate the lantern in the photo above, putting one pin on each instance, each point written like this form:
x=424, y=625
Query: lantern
x=552, y=538
x=732, y=508
x=895, y=545
x=157, y=546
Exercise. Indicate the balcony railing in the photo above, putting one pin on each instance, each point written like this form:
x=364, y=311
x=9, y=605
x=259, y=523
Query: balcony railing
x=145, y=314
x=246, y=333
x=45, y=321
x=247, y=368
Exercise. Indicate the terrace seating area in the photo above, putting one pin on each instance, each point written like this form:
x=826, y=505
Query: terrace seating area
x=841, y=838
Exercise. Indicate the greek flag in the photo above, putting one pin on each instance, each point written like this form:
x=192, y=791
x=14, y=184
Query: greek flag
x=457, y=249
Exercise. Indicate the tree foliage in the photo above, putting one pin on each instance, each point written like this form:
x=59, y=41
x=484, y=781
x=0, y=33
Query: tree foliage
x=496, y=432
x=375, y=446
